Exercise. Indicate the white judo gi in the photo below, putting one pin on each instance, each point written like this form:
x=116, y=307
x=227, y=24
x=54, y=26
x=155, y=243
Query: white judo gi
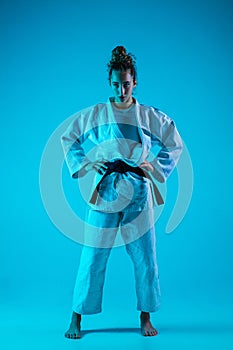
x=124, y=200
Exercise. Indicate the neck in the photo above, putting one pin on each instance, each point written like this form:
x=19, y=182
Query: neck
x=124, y=105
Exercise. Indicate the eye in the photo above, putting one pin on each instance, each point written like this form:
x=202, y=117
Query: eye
x=115, y=85
x=126, y=84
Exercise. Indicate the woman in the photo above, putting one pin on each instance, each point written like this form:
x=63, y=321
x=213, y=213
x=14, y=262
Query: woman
x=124, y=192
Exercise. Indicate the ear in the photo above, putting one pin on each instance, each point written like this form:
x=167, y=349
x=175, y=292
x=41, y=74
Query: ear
x=134, y=83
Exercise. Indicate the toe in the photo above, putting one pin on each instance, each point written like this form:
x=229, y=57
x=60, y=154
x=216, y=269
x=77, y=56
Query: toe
x=75, y=336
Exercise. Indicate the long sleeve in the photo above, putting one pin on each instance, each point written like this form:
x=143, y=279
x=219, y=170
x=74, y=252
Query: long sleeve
x=166, y=136
x=72, y=141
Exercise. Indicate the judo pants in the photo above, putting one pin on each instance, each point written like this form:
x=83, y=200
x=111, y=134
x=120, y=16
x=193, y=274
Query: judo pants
x=88, y=291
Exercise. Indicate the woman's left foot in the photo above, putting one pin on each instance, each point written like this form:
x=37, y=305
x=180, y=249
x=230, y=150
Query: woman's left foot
x=146, y=327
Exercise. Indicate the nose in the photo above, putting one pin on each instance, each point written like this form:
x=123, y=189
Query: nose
x=122, y=90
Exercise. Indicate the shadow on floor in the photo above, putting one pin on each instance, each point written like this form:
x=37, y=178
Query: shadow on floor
x=111, y=330
x=172, y=328
x=196, y=328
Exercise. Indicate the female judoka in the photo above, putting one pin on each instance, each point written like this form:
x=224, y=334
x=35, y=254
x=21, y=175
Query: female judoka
x=124, y=193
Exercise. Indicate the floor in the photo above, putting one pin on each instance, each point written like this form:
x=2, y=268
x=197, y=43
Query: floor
x=179, y=328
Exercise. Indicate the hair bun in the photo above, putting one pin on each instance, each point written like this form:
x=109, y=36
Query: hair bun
x=118, y=53
x=121, y=60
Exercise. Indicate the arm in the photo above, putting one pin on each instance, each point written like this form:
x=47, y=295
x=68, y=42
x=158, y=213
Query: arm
x=164, y=134
x=76, y=159
x=72, y=140
x=169, y=154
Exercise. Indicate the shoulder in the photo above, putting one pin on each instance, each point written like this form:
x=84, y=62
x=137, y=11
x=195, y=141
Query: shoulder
x=87, y=112
x=154, y=113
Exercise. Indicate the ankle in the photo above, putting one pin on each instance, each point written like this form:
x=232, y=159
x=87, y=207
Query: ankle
x=76, y=316
x=145, y=315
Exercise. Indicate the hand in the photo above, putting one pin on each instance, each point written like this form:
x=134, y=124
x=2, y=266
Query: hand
x=98, y=166
x=146, y=165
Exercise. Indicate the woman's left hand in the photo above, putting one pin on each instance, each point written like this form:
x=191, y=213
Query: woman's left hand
x=146, y=165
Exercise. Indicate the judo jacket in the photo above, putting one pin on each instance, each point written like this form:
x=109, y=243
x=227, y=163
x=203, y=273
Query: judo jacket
x=101, y=127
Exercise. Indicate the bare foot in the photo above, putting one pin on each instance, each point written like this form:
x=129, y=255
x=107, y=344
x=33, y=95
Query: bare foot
x=146, y=327
x=74, y=331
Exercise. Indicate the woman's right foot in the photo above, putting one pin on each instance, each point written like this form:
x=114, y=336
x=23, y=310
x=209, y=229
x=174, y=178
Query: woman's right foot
x=74, y=331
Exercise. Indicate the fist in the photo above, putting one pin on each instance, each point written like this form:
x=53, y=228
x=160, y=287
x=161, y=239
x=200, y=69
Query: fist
x=98, y=166
x=146, y=165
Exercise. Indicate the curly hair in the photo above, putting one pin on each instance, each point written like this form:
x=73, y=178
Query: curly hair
x=121, y=60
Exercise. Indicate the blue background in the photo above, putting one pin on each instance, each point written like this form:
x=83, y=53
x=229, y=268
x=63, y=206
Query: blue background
x=53, y=63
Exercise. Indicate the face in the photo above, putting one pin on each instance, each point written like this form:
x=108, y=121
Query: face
x=122, y=85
